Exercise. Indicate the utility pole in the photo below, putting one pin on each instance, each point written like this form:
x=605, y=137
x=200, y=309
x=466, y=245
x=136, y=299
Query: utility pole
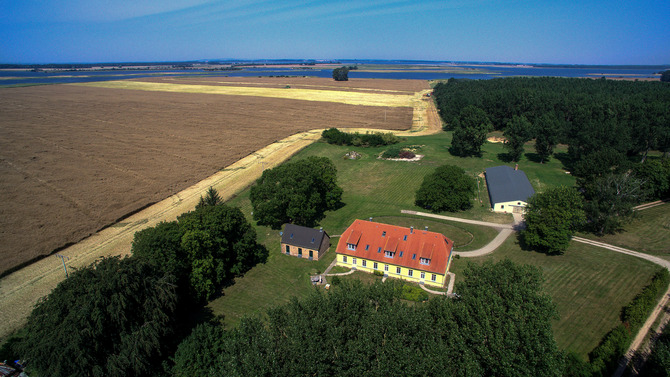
x=63, y=258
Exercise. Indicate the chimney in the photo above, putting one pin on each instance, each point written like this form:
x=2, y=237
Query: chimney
x=516, y=167
x=411, y=229
x=370, y=219
x=320, y=229
x=426, y=228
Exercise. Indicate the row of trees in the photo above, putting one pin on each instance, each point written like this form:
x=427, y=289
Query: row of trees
x=122, y=317
x=501, y=326
x=376, y=139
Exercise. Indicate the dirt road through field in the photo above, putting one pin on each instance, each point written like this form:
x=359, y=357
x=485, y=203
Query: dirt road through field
x=20, y=290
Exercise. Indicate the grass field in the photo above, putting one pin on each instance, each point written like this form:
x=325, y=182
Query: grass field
x=648, y=233
x=588, y=285
x=337, y=96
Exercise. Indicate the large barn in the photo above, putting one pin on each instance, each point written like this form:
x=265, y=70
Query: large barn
x=405, y=253
x=509, y=189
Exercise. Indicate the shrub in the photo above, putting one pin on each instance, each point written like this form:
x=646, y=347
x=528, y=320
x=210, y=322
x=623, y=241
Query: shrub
x=411, y=293
x=378, y=273
x=337, y=137
x=406, y=154
x=637, y=311
x=392, y=152
x=605, y=357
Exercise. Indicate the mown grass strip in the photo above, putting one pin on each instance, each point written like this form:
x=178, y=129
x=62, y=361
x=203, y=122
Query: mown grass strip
x=350, y=98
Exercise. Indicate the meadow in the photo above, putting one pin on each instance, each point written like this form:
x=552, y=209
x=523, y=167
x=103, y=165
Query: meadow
x=588, y=285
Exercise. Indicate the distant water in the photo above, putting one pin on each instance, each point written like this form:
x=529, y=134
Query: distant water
x=429, y=73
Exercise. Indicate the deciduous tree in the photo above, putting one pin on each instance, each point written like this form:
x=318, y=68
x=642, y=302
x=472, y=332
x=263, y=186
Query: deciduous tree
x=552, y=218
x=610, y=200
x=449, y=188
x=108, y=319
x=470, y=130
x=297, y=192
x=519, y=130
x=341, y=74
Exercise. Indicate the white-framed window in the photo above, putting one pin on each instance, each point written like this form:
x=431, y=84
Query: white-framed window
x=364, y=263
x=351, y=246
x=344, y=259
x=389, y=254
x=410, y=273
x=375, y=265
x=353, y=261
x=386, y=267
x=423, y=275
x=397, y=270
x=433, y=278
x=425, y=261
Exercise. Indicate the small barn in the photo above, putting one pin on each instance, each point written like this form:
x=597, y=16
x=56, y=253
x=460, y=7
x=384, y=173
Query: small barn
x=303, y=242
x=509, y=189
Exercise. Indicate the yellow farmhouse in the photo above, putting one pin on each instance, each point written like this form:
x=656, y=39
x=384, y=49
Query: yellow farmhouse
x=406, y=253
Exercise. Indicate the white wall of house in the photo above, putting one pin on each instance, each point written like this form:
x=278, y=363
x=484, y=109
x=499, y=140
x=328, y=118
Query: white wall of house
x=510, y=207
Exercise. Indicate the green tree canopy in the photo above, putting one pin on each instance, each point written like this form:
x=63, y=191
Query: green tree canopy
x=108, y=319
x=341, y=74
x=470, y=130
x=552, y=218
x=202, y=248
x=610, y=200
x=297, y=192
x=500, y=326
x=519, y=130
x=449, y=188
x=665, y=76
x=546, y=131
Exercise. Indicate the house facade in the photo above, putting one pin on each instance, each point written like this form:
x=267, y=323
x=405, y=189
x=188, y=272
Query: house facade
x=415, y=255
x=303, y=242
x=509, y=189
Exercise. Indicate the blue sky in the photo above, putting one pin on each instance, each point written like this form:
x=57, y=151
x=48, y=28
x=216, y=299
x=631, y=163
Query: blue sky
x=552, y=31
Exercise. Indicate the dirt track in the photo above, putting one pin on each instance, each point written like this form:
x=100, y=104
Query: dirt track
x=21, y=289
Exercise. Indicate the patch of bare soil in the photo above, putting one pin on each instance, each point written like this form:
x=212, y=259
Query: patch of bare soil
x=76, y=159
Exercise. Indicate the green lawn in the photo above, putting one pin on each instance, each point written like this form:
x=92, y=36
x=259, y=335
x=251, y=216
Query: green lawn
x=648, y=233
x=588, y=285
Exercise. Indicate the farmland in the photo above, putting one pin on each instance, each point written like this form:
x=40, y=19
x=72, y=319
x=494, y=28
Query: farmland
x=78, y=158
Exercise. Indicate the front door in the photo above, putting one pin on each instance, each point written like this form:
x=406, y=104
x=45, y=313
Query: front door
x=311, y=254
x=300, y=252
x=288, y=250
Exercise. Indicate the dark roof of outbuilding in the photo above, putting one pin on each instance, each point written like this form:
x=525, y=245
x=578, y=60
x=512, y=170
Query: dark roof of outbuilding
x=507, y=185
x=301, y=236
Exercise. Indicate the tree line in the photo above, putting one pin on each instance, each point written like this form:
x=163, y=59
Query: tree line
x=124, y=316
x=500, y=326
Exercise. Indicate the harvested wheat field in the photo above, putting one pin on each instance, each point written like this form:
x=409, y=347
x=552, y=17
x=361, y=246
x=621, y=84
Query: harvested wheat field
x=76, y=158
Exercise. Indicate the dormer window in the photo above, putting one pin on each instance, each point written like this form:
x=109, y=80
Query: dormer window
x=389, y=254
x=384, y=234
x=351, y=246
x=425, y=261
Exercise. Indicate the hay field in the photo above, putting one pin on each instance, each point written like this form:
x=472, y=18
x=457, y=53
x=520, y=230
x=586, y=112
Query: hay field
x=75, y=159
x=317, y=95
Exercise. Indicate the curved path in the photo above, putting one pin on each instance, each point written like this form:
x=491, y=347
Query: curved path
x=20, y=290
x=505, y=230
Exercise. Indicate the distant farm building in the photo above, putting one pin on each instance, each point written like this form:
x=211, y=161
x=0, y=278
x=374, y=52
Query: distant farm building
x=509, y=189
x=303, y=242
x=406, y=253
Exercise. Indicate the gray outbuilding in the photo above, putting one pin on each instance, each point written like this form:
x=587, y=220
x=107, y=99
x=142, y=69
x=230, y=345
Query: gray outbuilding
x=509, y=189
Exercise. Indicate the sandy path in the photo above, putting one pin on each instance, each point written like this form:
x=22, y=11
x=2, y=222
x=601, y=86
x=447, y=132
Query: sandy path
x=20, y=290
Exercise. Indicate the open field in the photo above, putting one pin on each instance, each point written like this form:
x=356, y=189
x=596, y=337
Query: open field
x=317, y=95
x=648, y=233
x=75, y=159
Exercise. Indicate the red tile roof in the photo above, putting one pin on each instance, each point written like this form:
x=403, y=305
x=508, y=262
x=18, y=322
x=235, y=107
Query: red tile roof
x=413, y=245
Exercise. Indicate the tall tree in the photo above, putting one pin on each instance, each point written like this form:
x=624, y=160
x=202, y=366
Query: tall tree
x=341, y=74
x=546, y=135
x=212, y=198
x=665, y=76
x=297, y=192
x=610, y=200
x=108, y=319
x=449, y=188
x=552, y=218
x=519, y=130
x=470, y=130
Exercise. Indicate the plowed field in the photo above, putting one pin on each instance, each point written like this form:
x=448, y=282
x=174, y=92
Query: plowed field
x=74, y=159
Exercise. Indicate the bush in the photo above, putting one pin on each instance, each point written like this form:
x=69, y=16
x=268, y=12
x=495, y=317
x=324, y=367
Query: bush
x=392, y=152
x=411, y=293
x=406, y=154
x=337, y=137
x=605, y=357
x=378, y=273
x=637, y=311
